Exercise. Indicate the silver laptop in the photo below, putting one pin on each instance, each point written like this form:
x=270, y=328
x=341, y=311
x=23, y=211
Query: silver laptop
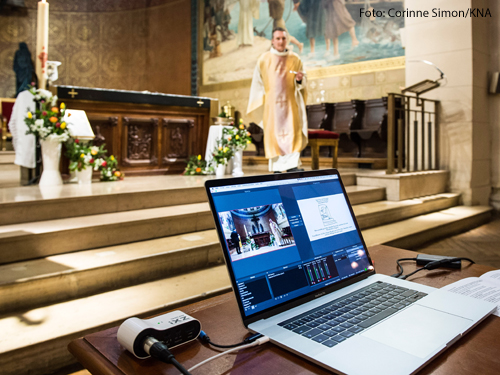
x=303, y=276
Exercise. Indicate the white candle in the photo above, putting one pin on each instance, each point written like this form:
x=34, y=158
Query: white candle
x=42, y=43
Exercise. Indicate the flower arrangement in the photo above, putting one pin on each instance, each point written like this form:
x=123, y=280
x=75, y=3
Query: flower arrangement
x=109, y=170
x=238, y=137
x=223, y=152
x=84, y=154
x=197, y=166
x=47, y=122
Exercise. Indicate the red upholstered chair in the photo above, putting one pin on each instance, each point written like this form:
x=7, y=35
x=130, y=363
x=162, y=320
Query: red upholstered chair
x=6, y=106
x=319, y=138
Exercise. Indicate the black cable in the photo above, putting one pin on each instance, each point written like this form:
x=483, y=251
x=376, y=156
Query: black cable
x=429, y=266
x=159, y=350
x=400, y=267
x=204, y=338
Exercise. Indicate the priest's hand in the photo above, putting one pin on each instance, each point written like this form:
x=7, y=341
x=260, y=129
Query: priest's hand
x=299, y=76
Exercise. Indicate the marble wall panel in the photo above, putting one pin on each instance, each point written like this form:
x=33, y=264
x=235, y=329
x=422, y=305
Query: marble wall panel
x=363, y=80
x=482, y=140
x=456, y=65
x=480, y=71
x=481, y=26
x=478, y=196
x=481, y=176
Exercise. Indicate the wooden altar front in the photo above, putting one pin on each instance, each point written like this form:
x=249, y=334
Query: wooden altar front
x=148, y=133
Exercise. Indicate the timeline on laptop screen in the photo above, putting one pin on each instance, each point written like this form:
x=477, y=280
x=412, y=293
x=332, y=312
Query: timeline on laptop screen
x=287, y=238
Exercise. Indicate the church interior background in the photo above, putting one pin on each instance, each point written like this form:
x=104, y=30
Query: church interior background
x=71, y=252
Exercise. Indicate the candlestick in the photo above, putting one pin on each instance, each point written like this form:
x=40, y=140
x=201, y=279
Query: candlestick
x=42, y=43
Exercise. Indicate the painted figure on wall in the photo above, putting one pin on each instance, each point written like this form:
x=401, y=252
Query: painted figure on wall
x=338, y=21
x=323, y=32
x=249, y=9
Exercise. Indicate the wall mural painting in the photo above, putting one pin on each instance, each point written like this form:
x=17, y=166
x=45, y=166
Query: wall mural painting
x=324, y=33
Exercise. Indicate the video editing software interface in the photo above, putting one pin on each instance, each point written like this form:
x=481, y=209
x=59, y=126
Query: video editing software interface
x=288, y=238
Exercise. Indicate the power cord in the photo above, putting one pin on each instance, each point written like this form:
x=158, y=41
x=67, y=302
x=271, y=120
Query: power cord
x=259, y=341
x=445, y=262
x=204, y=338
x=159, y=350
x=400, y=267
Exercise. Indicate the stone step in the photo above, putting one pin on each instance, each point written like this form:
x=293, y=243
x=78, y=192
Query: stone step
x=326, y=162
x=41, y=239
x=75, y=275
x=385, y=212
x=414, y=232
x=32, y=203
x=39, y=282
x=7, y=157
x=36, y=341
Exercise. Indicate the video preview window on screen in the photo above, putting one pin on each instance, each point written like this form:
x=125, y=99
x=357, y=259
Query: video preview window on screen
x=256, y=230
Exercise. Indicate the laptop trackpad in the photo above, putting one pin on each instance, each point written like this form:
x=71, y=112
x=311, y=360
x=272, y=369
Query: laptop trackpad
x=418, y=330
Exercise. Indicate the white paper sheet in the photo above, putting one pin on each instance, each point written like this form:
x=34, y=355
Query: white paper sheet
x=485, y=288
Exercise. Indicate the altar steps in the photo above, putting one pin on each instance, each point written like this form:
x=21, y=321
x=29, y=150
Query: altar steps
x=72, y=200
x=30, y=240
x=83, y=273
x=325, y=162
x=53, y=299
x=35, y=341
x=10, y=173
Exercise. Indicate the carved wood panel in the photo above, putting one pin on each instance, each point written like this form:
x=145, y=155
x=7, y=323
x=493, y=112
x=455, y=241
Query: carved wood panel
x=140, y=140
x=177, y=140
x=105, y=129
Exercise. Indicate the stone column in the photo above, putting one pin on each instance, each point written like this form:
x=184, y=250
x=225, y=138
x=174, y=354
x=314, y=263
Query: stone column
x=460, y=47
x=494, y=102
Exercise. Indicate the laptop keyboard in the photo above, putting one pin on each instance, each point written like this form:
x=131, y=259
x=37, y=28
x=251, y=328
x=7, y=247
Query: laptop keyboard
x=340, y=319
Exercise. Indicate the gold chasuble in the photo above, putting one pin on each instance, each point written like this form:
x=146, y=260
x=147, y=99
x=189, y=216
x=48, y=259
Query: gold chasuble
x=284, y=120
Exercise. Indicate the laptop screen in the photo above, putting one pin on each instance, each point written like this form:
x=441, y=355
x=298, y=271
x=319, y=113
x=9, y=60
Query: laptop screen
x=287, y=238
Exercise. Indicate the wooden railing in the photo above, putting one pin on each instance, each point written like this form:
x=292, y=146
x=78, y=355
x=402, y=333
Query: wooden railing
x=412, y=134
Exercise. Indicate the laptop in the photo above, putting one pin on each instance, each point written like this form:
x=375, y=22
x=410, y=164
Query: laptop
x=303, y=276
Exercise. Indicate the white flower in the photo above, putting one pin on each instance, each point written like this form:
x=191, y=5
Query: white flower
x=54, y=101
x=98, y=163
x=108, y=173
x=45, y=94
x=87, y=158
x=38, y=97
x=39, y=122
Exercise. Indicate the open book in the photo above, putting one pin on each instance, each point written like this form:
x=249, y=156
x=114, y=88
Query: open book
x=486, y=288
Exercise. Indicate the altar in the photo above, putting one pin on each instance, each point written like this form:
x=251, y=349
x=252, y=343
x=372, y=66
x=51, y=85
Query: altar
x=148, y=133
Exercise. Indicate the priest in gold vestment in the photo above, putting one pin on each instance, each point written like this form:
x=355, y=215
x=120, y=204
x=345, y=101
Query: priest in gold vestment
x=278, y=85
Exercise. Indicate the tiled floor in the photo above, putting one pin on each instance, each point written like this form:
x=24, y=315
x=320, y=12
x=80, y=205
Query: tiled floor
x=481, y=244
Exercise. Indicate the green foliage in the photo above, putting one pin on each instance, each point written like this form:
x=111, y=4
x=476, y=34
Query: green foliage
x=197, y=166
x=47, y=122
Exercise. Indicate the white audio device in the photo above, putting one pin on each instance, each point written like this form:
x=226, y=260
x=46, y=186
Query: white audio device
x=173, y=329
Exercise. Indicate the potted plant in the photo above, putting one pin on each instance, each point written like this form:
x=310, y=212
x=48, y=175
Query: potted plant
x=238, y=139
x=221, y=155
x=84, y=158
x=48, y=124
x=197, y=166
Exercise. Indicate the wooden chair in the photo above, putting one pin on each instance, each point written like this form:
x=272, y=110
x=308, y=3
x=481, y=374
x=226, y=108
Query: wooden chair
x=319, y=138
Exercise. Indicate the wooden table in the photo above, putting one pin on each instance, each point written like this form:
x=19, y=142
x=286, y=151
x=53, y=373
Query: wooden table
x=477, y=353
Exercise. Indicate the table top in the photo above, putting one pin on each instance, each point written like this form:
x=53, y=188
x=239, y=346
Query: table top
x=476, y=353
